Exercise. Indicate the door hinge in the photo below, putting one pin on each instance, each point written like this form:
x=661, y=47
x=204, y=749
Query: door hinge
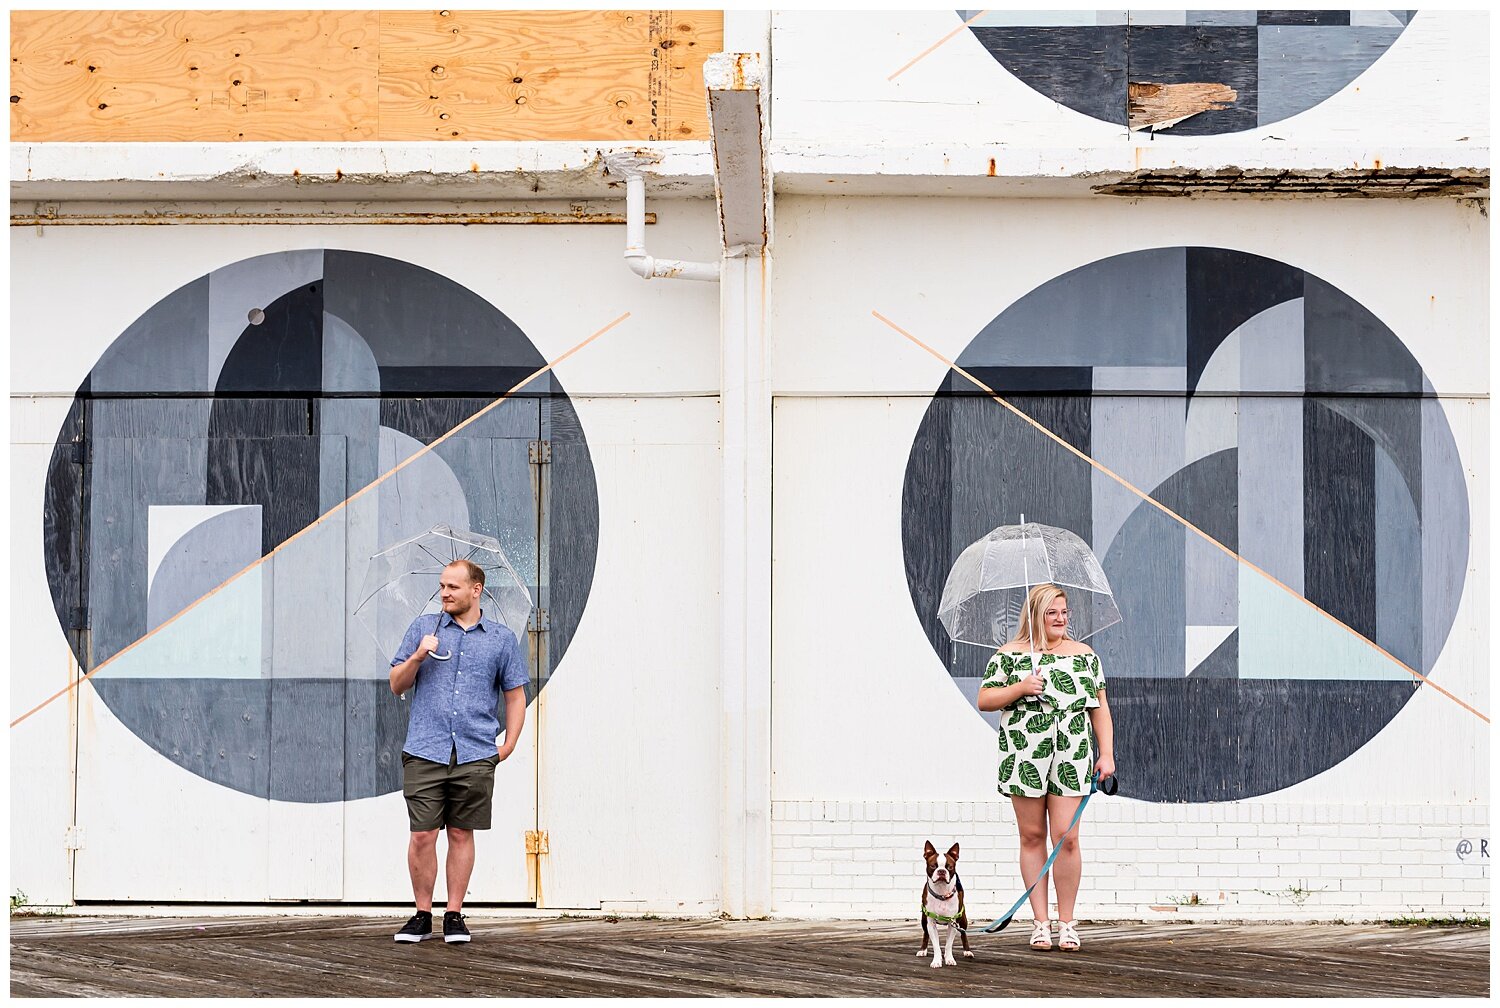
x=540, y=452
x=78, y=618
x=539, y=620
x=536, y=842
x=73, y=838
x=76, y=452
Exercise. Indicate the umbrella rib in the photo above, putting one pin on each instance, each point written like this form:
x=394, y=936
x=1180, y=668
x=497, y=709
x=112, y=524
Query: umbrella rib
x=438, y=557
x=1143, y=495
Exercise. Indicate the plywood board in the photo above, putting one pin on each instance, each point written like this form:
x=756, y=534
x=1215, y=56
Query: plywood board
x=226, y=76
x=216, y=76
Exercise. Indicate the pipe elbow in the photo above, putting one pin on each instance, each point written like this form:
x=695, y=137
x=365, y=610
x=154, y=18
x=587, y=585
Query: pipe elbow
x=640, y=263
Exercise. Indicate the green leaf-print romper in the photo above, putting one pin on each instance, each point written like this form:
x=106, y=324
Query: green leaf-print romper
x=1046, y=741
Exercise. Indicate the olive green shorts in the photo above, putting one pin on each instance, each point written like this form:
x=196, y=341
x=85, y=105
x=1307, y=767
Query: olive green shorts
x=458, y=795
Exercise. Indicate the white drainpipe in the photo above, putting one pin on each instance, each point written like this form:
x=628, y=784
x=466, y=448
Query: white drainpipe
x=641, y=262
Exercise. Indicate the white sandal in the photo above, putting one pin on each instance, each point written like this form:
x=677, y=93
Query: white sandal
x=1067, y=936
x=1041, y=935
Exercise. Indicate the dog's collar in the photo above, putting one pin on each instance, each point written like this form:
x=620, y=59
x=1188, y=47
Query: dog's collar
x=937, y=895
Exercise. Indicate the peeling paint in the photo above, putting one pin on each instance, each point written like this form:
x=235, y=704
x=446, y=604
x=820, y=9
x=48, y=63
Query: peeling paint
x=1375, y=182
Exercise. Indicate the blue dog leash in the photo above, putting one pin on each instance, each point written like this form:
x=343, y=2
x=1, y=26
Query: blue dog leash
x=1108, y=786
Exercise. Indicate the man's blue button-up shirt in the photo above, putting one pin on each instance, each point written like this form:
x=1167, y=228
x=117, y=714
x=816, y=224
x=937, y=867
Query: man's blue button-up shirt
x=454, y=703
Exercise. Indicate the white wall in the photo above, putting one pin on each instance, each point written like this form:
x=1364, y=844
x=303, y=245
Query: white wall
x=628, y=724
x=875, y=749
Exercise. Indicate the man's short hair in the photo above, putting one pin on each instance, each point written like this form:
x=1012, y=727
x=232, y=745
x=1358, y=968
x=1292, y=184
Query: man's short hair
x=475, y=572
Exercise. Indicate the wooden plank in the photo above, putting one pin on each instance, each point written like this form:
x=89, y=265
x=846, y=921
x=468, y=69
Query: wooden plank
x=346, y=956
x=214, y=76
x=227, y=76
x=553, y=75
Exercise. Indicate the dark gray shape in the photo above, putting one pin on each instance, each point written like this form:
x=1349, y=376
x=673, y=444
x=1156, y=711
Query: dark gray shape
x=1338, y=518
x=175, y=328
x=1324, y=18
x=1082, y=68
x=202, y=560
x=1445, y=527
x=63, y=527
x=1398, y=564
x=1349, y=350
x=1124, y=311
x=1223, y=18
x=1394, y=424
x=570, y=526
x=307, y=740
x=1267, y=734
x=441, y=335
x=1303, y=65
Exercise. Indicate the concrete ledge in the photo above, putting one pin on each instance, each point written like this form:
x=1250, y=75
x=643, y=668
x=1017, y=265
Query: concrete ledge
x=542, y=171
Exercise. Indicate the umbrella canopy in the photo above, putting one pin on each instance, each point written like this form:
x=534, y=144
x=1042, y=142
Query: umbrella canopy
x=987, y=587
x=402, y=584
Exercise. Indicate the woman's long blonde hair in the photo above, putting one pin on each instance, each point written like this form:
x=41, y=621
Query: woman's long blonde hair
x=1032, y=616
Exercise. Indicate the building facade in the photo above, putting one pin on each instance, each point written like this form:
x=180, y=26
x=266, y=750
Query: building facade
x=1209, y=289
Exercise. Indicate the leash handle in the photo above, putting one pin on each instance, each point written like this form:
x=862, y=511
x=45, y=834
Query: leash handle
x=1096, y=785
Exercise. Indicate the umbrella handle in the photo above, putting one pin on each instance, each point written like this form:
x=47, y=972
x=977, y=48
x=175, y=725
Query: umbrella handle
x=440, y=657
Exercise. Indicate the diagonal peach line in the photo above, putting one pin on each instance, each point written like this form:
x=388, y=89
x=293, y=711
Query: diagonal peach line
x=1178, y=518
x=925, y=52
x=318, y=520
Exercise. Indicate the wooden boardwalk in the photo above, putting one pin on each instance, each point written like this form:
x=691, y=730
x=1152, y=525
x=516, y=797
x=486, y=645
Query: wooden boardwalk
x=349, y=956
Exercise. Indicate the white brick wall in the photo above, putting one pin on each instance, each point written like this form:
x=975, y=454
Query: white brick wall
x=1243, y=860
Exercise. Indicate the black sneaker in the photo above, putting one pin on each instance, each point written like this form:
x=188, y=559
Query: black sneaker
x=419, y=927
x=454, y=928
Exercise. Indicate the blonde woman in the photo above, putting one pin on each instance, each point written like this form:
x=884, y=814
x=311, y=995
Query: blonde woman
x=1052, y=691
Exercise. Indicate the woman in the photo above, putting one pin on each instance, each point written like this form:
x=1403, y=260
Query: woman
x=1052, y=691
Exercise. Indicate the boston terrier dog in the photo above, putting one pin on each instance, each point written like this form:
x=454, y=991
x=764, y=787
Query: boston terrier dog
x=943, y=904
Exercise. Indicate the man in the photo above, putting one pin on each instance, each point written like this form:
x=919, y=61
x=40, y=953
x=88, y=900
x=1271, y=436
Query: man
x=460, y=662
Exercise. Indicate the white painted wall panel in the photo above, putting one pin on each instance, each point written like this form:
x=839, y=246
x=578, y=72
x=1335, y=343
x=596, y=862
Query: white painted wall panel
x=558, y=283
x=629, y=724
x=943, y=268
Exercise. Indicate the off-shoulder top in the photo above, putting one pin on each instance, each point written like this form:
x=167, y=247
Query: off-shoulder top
x=1073, y=681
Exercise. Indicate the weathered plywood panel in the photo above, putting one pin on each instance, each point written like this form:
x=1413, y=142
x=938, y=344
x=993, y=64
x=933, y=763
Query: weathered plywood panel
x=212, y=76
x=557, y=75
x=360, y=75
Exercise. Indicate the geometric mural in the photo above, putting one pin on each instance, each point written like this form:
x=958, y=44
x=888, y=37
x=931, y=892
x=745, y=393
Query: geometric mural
x=1197, y=73
x=239, y=415
x=1273, y=412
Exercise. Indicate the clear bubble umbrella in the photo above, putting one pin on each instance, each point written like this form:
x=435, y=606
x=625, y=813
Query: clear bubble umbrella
x=402, y=584
x=987, y=587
